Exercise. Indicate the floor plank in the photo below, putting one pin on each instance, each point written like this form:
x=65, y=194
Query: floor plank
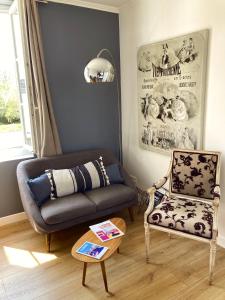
x=2, y=291
x=178, y=268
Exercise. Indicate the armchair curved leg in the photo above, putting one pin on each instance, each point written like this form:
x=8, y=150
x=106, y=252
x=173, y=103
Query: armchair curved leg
x=212, y=258
x=147, y=242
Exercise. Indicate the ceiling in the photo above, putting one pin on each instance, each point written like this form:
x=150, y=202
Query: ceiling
x=114, y=3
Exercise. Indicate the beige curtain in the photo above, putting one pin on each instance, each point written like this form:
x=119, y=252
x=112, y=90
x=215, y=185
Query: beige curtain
x=45, y=134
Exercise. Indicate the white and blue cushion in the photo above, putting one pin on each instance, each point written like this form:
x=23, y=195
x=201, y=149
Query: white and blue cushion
x=78, y=179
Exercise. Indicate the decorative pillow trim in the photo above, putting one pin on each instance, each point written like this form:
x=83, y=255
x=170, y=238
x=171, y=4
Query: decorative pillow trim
x=106, y=178
x=53, y=195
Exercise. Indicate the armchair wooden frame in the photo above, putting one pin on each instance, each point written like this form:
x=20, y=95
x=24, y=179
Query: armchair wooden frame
x=215, y=204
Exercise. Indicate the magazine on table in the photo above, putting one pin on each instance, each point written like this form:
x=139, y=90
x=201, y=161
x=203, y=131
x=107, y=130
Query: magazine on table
x=92, y=250
x=106, y=231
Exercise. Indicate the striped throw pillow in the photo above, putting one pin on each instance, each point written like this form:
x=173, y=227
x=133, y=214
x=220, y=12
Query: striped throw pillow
x=78, y=179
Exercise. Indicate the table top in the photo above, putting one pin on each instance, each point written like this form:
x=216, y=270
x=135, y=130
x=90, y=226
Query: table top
x=91, y=237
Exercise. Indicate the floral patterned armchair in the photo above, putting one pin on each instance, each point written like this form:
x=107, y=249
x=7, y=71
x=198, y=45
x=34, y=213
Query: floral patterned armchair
x=191, y=206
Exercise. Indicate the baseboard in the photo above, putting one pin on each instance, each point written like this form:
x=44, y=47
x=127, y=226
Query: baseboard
x=221, y=241
x=22, y=216
x=12, y=219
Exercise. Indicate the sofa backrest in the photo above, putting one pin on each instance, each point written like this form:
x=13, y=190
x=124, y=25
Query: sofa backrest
x=35, y=167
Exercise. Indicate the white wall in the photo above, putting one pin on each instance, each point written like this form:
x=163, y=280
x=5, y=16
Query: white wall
x=147, y=21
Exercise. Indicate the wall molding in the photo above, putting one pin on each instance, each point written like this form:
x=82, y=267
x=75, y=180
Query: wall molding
x=13, y=219
x=90, y=5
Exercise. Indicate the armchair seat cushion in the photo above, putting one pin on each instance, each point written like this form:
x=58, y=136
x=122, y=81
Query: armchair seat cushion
x=67, y=208
x=189, y=216
x=112, y=195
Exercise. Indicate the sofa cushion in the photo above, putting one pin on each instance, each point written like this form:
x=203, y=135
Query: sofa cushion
x=111, y=195
x=40, y=188
x=184, y=215
x=114, y=174
x=67, y=208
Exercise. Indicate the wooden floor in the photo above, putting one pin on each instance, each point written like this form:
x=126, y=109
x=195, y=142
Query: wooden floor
x=178, y=269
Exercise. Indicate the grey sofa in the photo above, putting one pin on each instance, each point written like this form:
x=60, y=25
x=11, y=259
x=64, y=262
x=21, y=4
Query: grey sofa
x=77, y=208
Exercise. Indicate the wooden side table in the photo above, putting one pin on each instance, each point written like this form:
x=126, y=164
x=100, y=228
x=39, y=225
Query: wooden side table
x=113, y=245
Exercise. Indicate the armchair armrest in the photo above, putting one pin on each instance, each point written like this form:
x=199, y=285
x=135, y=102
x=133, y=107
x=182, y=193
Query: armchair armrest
x=216, y=192
x=151, y=191
x=216, y=201
x=160, y=183
x=30, y=207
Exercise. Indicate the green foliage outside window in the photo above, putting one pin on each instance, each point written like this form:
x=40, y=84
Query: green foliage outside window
x=9, y=103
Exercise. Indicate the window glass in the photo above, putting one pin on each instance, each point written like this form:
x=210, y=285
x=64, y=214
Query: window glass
x=15, y=128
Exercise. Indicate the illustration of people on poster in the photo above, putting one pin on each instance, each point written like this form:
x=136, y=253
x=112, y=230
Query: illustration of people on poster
x=171, y=84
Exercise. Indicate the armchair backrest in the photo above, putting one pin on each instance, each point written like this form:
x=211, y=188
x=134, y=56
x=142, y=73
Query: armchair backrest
x=194, y=173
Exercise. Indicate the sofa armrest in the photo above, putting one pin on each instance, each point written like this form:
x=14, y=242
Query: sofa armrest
x=29, y=205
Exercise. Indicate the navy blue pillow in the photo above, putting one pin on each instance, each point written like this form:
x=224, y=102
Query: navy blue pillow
x=114, y=174
x=40, y=188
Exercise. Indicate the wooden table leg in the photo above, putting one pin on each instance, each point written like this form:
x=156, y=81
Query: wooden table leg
x=118, y=250
x=84, y=273
x=104, y=275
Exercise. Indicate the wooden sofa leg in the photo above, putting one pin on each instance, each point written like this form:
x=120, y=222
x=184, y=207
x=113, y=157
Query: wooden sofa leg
x=131, y=213
x=48, y=241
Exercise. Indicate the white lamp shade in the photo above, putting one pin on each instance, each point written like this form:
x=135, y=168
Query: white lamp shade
x=99, y=70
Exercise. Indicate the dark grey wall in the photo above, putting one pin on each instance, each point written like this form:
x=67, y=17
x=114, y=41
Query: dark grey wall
x=10, y=202
x=86, y=114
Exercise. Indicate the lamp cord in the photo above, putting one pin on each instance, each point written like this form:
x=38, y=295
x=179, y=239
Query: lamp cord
x=118, y=101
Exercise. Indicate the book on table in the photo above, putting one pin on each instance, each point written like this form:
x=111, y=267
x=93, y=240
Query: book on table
x=106, y=231
x=92, y=250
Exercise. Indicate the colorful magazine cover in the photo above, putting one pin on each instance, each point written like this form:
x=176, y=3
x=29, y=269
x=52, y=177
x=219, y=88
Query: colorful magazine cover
x=92, y=250
x=106, y=231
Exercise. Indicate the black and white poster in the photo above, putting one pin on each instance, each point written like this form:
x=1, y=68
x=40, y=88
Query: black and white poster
x=171, y=85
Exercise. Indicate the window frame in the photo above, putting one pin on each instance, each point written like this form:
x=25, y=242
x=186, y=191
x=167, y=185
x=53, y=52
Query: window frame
x=12, y=10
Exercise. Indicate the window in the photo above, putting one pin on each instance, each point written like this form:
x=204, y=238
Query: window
x=15, y=126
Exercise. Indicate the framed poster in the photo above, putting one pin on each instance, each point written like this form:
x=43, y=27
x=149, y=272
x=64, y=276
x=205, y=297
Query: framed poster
x=171, y=85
